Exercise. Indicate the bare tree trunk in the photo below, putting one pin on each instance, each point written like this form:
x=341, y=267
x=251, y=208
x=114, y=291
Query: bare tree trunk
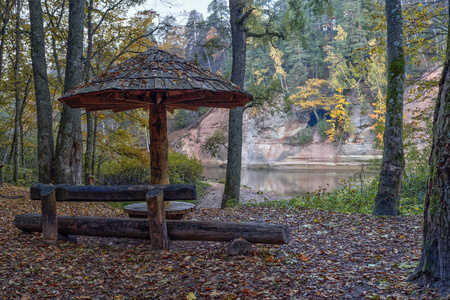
x=18, y=102
x=5, y=16
x=45, y=148
x=22, y=154
x=389, y=189
x=89, y=154
x=434, y=266
x=233, y=175
x=69, y=149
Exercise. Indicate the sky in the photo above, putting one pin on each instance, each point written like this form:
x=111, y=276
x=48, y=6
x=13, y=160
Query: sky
x=176, y=8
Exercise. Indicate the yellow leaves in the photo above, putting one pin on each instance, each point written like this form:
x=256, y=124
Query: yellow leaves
x=276, y=55
x=341, y=34
x=372, y=42
x=191, y=296
x=340, y=117
x=312, y=94
x=260, y=75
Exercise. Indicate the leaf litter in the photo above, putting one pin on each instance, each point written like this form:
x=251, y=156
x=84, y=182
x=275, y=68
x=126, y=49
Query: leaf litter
x=330, y=255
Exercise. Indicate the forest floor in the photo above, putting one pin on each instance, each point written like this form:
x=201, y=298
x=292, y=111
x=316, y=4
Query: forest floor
x=331, y=255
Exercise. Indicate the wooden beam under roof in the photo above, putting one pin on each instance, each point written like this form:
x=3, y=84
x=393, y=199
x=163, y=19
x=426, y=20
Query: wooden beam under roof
x=189, y=96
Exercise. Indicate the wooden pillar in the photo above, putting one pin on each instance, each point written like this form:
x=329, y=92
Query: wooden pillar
x=157, y=220
x=1, y=173
x=49, y=218
x=159, y=145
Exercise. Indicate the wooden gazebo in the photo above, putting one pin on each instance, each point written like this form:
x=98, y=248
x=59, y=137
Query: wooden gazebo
x=157, y=81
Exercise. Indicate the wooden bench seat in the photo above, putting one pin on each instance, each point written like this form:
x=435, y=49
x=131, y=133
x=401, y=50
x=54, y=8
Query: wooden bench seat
x=154, y=195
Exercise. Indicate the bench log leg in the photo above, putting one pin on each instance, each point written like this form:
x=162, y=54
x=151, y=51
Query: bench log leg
x=157, y=221
x=49, y=219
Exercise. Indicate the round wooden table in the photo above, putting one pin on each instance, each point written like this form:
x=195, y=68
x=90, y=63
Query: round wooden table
x=175, y=211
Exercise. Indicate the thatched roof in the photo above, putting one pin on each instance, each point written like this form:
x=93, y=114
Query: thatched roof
x=156, y=77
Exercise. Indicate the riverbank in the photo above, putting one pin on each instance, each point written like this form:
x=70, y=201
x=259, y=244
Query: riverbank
x=289, y=182
x=214, y=193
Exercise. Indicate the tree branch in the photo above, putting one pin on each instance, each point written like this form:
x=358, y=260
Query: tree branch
x=245, y=16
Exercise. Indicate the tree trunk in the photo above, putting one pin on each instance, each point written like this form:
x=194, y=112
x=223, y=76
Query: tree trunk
x=5, y=16
x=434, y=266
x=18, y=102
x=159, y=145
x=45, y=152
x=233, y=175
x=89, y=154
x=69, y=149
x=389, y=189
x=22, y=155
x=22, y=109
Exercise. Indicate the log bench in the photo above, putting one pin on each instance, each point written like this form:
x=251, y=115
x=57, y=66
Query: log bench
x=156, y=227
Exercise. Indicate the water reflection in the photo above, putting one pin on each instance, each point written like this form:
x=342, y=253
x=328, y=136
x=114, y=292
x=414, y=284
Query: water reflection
x=286, y=182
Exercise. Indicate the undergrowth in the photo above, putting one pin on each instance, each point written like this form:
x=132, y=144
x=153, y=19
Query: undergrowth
x=26, y=176
x=132, y=171
x=357, y=195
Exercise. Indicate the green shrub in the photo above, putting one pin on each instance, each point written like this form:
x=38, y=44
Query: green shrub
x=306, y=136
x=183, y=169
x=351, y=197
x=132, y=170
x=124, y=172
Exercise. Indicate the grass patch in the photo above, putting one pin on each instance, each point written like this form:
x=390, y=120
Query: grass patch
x=350, y=198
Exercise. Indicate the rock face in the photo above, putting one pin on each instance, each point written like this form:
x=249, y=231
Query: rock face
x=267, y=141
x=270, y=138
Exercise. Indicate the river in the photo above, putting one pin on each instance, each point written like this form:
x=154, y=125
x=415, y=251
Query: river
x=286, y=181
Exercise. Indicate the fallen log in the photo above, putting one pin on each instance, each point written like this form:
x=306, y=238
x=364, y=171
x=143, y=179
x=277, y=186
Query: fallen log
x=117, y=193
x=177, y=230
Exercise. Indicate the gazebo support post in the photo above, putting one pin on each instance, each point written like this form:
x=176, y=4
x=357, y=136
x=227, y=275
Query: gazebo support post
x=157, y=220
x=159, y=145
